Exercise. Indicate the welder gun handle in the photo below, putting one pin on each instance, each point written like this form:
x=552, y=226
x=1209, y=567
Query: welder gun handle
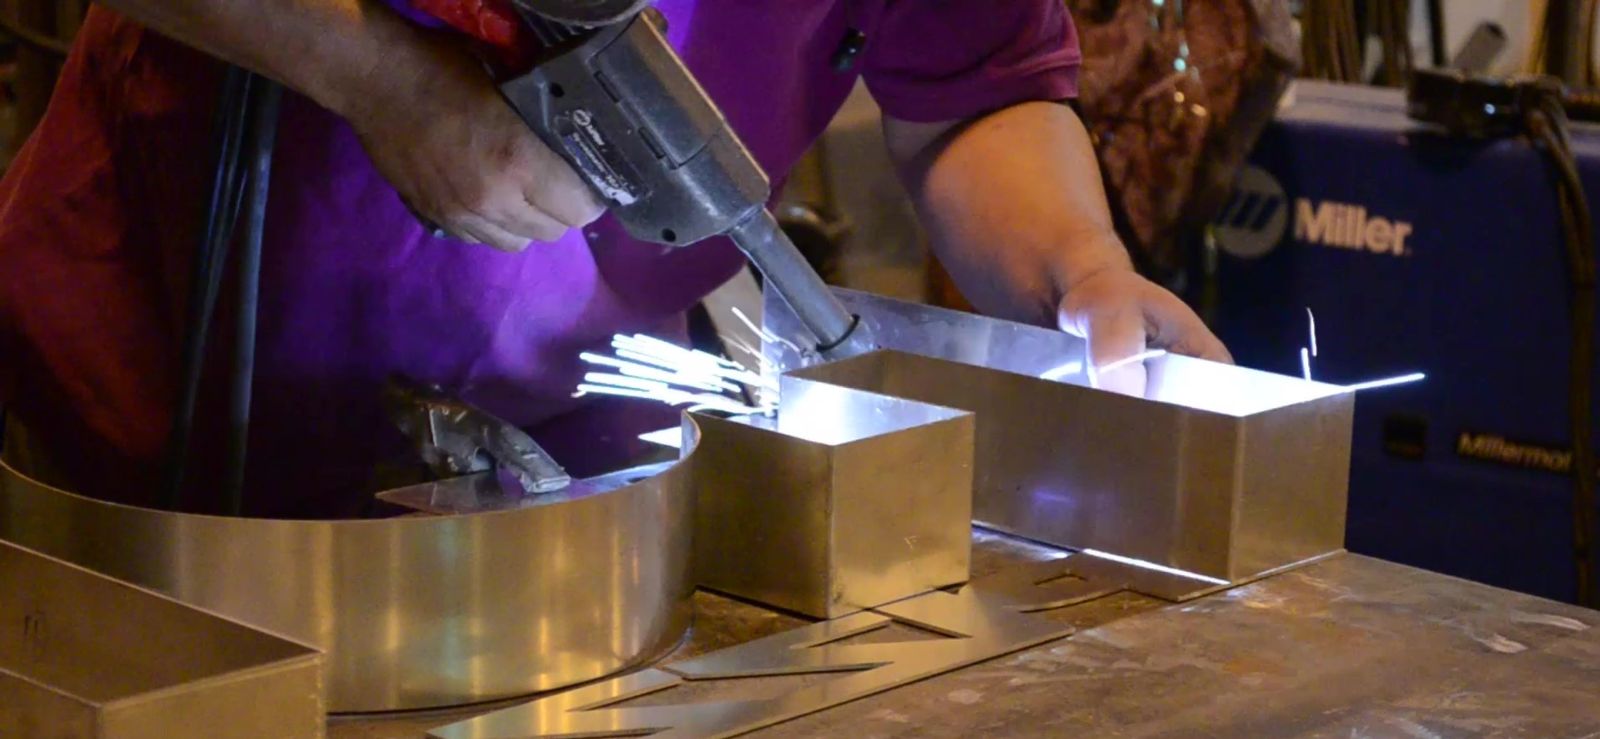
x=618, y=105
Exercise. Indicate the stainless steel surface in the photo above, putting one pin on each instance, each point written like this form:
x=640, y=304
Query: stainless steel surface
x=488, y=492
x=722, y=622
x=952, y=630
x=83, y=655
x=1347, y=647
x=1220, y=471
x=456, y=438
x=844, y=500
x=414, y=611
x=791, y=277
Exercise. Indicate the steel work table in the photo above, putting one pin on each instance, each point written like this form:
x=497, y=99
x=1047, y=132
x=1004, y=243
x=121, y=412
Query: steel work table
x=1349, y=647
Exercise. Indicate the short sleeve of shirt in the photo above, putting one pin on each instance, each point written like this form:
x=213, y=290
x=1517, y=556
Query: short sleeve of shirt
x=939, y=60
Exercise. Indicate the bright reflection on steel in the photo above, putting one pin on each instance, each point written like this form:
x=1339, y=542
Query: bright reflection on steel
x=1127, y=361
x=766, y=336
x=1227, y=389
x=973, y=625
x=651, y=369
x=671, y=438
x=1389, y=382
x=984, y=619
x=1065, y=370
x=1130, y=561
x=1311, y=318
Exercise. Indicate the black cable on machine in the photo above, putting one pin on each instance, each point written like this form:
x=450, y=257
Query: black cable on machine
x=1437, y=52
x=219, y=217
x=1547, y=125
x=1478, y=107
x=265, y=97
x=244, y=130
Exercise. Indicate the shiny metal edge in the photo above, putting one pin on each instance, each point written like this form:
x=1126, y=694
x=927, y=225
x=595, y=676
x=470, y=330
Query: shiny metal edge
x=975, y=624
x=989, y=617
x=412, y=612
x=813, y=510
x=175, y=661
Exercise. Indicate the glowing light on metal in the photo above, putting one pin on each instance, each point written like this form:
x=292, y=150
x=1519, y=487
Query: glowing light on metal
x=1389, y=382
x=765, y=335
x=648, y=368
x=1305, y=364
x=1152, y=566
x=1311, y=318
x=672, y=437
x=1070, y=368
x=1135, y=359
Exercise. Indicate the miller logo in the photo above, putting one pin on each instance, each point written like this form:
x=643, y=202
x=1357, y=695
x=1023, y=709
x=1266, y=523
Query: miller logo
x=1257, y=217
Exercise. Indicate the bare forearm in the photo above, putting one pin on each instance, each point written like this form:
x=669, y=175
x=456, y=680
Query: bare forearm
x=338, y=52
x=1013, y=204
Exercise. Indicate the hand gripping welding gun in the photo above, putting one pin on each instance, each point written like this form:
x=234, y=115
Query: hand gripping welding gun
x=612, y=98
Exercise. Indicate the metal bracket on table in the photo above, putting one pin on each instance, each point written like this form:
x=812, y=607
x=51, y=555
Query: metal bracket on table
x=984, y=619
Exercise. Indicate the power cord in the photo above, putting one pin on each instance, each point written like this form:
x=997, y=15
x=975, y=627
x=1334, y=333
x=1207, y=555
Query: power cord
x=244, y=133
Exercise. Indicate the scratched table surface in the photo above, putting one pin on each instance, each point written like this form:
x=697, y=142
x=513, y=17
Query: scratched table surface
x=1348, y=647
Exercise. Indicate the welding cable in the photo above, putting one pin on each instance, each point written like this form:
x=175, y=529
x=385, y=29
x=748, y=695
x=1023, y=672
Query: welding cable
x=1437, y=53
x=264, y=102
x=1395, y=36
x=1546, y=123
x=205, y=279
x=1332, y=49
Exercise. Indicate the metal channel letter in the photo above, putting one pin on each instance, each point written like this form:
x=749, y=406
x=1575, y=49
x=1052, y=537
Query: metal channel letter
x=842, y=501
x=62, y=628
x=1218, y=471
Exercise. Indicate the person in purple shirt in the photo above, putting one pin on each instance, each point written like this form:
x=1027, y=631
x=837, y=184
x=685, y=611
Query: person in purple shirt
x=98, y=215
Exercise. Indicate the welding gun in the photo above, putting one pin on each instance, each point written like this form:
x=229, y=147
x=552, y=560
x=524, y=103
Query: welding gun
x=609, y=95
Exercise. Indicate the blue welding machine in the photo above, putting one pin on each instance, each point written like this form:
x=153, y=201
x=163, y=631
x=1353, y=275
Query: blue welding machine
x=1418, y=252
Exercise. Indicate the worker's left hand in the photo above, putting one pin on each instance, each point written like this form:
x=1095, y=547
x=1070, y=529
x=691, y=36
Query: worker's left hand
x=1122, y=315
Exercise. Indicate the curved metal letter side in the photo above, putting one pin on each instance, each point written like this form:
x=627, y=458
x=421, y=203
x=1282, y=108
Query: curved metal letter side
x=413, y=612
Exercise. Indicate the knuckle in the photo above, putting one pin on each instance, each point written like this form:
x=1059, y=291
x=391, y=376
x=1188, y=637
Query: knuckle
x=548, y=232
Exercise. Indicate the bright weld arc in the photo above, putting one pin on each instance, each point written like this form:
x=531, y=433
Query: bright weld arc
x=1389, y=382
x=1135, y=359
x=699, y=382
x=678, y=359
x=673, y=398
x=678, y=376
x=1152, y=566
x=653, y=369
x=765, y=335
x=653, y=347
x=694, y=368
x=1312, y=319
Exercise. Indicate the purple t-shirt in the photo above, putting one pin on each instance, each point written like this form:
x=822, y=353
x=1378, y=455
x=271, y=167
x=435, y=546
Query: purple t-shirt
x=354, y=291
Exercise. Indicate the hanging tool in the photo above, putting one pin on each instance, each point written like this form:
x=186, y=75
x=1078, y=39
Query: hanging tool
x=457, y=438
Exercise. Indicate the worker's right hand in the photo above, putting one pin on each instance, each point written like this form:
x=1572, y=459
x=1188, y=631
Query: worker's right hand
x=461, y=157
